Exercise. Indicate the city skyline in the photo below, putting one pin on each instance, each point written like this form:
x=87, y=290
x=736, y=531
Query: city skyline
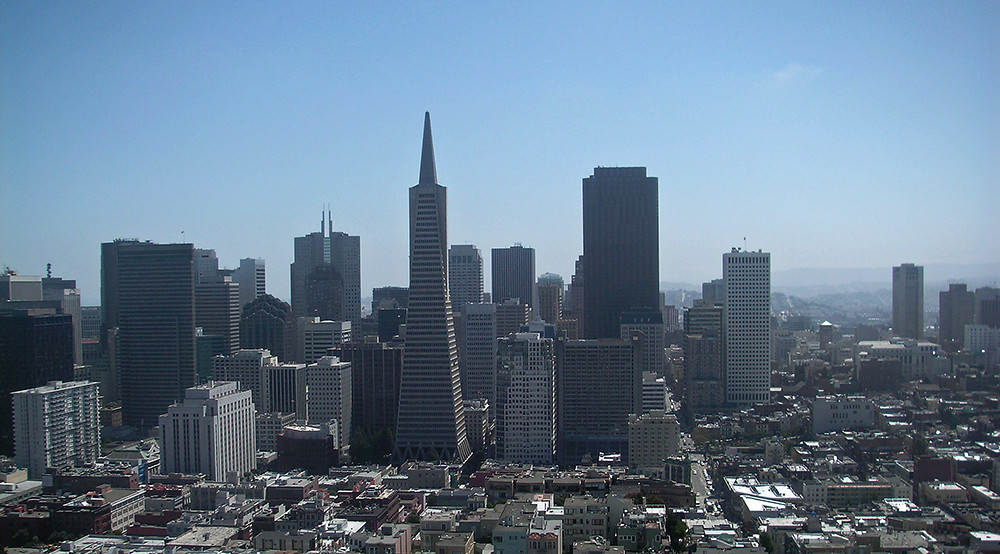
x=832, y=129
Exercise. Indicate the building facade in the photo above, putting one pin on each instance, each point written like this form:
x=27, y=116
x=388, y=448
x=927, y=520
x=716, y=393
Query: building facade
x=908, y=301
x=327, y=390
x=268, y=323
x=211, y=432
x=478, y=351
x=550, y=297
x=431, y=421
x=652, y=438
x=147, y=294
x=957, y=308
x=326, y=274
x=513, y=272
x=465, y=275
x=526, y=399
x=57, y=425
x=621, y=247
x=746, y=324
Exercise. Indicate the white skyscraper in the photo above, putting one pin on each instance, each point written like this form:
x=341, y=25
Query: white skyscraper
x=56, y=425
x=465, y=275
x=746, y=320
x=526, y=421
x=327, y=394
x=211, y=432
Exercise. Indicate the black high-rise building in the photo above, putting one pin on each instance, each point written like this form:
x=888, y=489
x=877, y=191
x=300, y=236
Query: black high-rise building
x=620, y=247
x=147, y=293
x=268, y=323
x=376, y=368
x=36, y=346
x=513, y=271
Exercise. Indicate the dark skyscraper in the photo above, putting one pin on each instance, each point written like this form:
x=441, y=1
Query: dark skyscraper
x=908, y=301
x=147, y=292
x=268, y=323
x=326, y=275
x=957, y=308
x=620, y=247
x=513, y=271
x=431, y=421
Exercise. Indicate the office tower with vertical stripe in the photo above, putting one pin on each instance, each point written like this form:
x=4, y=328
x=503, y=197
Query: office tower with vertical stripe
x=746, y=324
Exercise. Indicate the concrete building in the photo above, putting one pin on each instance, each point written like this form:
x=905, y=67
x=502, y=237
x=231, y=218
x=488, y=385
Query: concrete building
x=918, y=359
x=431, y=423
x=988, y=307
x=621, y=250
x=30, y=292
x=327, y=391
x=56, y=425
x=550, y=298
x=465, y=275
x=648, y=323
x=653, y=437
x=269, y=426
x=703, y=371
x=837, y=413
x=249, y=368
x=908, y=301
x=654, y=392
x=211, y=432
x=957, y=308
x=477, y=351
x=314, y=337
x=511, y=315
x=251, y=278
x=147, y=294
x=217, y=310
x=599, y=383
x=746, y=323
x=513, y=272
x=526, y=399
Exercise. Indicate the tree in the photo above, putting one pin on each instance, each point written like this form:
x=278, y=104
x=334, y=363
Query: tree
x=767, y=542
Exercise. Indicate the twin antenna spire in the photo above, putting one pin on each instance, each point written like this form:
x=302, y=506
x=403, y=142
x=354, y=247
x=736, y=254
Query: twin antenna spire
x=428, y=172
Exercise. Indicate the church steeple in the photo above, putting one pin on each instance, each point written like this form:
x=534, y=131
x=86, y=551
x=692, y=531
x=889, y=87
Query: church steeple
x=428, y=171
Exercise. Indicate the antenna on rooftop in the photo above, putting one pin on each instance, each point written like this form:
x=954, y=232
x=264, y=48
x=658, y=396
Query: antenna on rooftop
x=48, y=270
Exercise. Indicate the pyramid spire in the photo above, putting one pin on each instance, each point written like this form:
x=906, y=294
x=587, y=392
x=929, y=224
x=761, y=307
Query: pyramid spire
x=428, y=172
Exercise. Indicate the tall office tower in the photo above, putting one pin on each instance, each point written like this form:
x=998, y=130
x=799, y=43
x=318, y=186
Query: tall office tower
x=251, y=278
x=326, y=274
x=573, y=307
x=988, y=306
x=654, y=392
x=701, y=316
x=147, y=293
x=746, y=324
x=206, y=265
x=64, y=291
x=671, y=318
x=217, y=310
x=376, y=368
x=713, y=292
x=550, y=297
x=90, y=322
x=908, y=301
x=251, y=369
x=957, y=308
x=599, y=383
x=526, y=399
x=283, y=386
x=465, y=275
x=703, y=383
x=513, y=271
x=268, y=323
x=36, y=346
x=511, y=315
x=390, y=297
x=649, y=322
x=621, y=247
x=478, y=352
x=327, y=388
x=57, y=425
x=431, y=423
x=211, y=432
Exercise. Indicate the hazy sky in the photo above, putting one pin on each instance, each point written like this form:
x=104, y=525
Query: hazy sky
x=833, y=134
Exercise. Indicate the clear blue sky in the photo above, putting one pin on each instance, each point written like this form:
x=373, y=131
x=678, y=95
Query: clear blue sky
x=833, y=134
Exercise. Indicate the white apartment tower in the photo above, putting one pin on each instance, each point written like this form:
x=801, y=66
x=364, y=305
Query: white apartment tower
x=56, y=425
x=465, y=275
x=526, y=419
x=211, y=432
x=746, y=321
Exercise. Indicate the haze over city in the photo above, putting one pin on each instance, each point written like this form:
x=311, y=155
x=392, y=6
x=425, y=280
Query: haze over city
x=857, y=135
